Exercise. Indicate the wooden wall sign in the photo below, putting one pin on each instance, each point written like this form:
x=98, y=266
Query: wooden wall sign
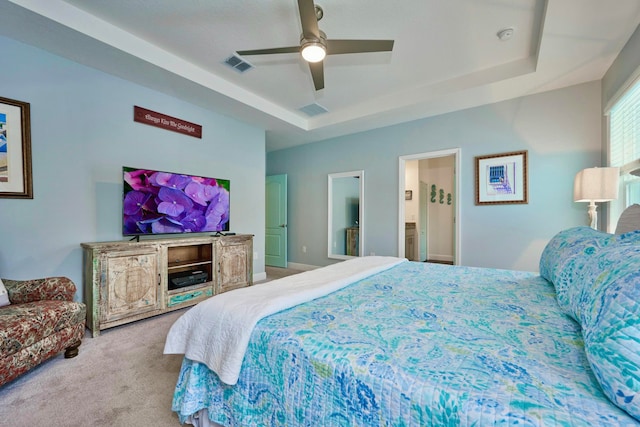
x=152, y=118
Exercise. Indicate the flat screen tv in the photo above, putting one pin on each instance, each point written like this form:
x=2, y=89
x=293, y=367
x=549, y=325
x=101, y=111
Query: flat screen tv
x=157, y=202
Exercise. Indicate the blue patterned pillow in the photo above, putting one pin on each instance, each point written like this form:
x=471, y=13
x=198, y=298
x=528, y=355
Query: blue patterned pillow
x=597, y=280
x=566, y=244
x=565, y=259
x=610, y=320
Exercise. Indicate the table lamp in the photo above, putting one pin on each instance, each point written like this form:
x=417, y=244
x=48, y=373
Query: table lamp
x=596, y=185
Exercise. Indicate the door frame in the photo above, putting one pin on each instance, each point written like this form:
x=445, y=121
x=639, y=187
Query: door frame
x=402, y=160
x=423, y=217
x=330, y=204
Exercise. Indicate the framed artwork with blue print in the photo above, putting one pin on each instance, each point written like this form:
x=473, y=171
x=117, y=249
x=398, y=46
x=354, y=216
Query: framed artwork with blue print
x=502, y=178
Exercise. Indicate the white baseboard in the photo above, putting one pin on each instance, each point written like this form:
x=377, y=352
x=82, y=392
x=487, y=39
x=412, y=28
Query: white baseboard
x=259, y=276
x=439, y=257
x=301, y=267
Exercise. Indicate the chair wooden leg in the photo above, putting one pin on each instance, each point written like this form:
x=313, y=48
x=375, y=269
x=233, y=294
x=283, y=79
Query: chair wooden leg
x=72, y=351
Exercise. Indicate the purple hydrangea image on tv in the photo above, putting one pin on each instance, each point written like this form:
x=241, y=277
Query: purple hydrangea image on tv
x=158, y=202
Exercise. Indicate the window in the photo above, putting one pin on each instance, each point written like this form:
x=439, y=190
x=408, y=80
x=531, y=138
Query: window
x=624, y=149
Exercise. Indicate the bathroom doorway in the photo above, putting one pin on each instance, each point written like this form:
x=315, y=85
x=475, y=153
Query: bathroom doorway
x=428, y=207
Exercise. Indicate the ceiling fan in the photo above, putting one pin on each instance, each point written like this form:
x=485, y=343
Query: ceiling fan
x=314, y=45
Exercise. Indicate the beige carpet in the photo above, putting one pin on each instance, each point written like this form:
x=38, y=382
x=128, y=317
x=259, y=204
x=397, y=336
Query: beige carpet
x=120, y=378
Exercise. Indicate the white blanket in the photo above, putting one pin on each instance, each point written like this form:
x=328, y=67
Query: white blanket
x=216, y=332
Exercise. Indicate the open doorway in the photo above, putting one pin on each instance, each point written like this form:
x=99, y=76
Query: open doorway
x=428, y=207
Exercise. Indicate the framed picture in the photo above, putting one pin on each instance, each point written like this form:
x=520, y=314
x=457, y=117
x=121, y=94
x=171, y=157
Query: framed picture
x=15, y=149
x=501, y=178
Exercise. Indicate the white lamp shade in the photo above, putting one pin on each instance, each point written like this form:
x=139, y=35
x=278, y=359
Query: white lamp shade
x=596, y=185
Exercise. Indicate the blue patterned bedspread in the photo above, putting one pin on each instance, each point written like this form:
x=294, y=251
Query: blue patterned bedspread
x=417, y=345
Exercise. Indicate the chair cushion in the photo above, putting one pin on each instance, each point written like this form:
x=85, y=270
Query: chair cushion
x=49, y=288
x=22, y=325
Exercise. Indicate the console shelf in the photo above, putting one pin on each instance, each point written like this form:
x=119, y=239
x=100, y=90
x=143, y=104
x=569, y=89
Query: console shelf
x=192, y=264
x=126, y=281
x=180, y=257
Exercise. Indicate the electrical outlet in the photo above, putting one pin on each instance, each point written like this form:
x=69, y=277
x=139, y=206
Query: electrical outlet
x=304, y=249
x=256, y=255
x=372, y=254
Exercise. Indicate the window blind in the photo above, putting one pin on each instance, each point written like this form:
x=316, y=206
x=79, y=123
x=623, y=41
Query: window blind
x=624, y=128
x=624, y=149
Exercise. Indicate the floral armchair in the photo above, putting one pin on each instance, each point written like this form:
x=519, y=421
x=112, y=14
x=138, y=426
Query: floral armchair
x=41, y=320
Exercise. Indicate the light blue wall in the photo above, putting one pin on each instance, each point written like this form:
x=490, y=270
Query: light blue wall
x=561, y=129
x=82, y=134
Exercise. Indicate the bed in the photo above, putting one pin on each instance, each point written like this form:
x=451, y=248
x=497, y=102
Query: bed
x=418, y=344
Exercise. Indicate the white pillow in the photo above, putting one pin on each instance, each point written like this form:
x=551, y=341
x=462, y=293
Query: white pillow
x=4, y=295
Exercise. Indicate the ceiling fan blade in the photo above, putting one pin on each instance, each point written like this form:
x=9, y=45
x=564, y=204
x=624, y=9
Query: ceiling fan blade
x=317, y=72
x=308, y=19
x=336, y=47
x=290, y=49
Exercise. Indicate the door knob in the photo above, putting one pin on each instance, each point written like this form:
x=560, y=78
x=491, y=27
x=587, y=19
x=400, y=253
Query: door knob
x=283, y=225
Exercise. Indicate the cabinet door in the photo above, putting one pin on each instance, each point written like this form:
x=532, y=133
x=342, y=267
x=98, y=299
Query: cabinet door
x=131, y=284
x=235, y=266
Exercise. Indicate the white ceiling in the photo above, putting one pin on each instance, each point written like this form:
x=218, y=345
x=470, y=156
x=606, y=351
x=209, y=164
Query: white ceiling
x=446, y=56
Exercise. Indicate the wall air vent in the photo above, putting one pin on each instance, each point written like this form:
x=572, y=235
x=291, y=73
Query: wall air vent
x=238, y=64
x=313, y=109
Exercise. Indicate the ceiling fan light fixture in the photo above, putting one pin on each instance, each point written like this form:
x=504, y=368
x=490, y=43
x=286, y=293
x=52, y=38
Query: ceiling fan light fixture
x=313, y=51
x=314, y=46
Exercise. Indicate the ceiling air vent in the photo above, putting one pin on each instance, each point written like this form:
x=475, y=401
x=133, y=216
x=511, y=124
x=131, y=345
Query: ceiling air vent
x=238, y=64
x=313, y=109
